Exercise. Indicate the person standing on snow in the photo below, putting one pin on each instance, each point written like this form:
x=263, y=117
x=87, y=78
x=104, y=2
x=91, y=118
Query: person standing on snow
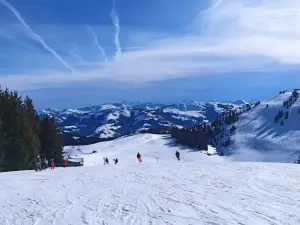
x=46, y=163
x=43, y=163
x=38, y=164
x=66, y=163
x=52, y=164
x=139, y=157
x=116, y=160
x=106, y=160
x=177, y=154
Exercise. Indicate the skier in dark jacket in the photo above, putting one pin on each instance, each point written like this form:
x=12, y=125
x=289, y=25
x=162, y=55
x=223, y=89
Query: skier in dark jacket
x=106, y=161
x=177, y=154
x=139, y=157
x=116, y=160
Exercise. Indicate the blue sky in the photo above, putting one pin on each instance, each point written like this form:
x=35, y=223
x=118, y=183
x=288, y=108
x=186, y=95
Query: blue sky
x=77, y=53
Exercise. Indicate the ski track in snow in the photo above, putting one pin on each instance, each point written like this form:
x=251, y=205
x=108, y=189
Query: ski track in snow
x=197, y=190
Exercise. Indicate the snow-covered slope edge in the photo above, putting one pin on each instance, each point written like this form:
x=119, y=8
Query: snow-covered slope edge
x=149, y=145
x=259, y=138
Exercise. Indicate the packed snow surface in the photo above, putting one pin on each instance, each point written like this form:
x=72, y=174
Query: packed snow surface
x=197, y=190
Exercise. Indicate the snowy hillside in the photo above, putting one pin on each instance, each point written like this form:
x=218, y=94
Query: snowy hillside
x=151, y=145
x=197, y=190
x=114, y=120
x=259, y=138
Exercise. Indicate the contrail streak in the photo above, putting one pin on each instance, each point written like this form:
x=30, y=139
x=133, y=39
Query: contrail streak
x=216, y=4
x=115, y=19
x=96, y=41
x=35, y=36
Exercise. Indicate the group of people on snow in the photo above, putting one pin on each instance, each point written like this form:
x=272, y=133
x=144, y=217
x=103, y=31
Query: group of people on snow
x=116, y=160
x=42, y=164
x=106, y=161
x=139, y=158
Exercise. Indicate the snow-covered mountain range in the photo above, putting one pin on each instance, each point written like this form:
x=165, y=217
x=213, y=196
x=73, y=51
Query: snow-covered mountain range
x=114, y=120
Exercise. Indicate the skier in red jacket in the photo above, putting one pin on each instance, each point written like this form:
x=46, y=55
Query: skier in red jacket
x=66, y=163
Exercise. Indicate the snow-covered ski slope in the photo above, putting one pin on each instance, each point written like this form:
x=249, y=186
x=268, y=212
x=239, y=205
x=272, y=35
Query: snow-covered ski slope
x=259, y=138
x=126, y=148
x=198, y=190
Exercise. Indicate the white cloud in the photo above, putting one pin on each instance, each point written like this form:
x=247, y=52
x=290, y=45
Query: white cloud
x=231, y=36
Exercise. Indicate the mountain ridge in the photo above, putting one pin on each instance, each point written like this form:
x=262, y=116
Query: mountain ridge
x=118, y=119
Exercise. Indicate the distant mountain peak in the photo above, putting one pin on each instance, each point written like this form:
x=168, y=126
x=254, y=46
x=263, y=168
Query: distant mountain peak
x=239, y=102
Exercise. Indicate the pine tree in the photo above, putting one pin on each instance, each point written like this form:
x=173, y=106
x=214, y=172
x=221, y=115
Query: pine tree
x=2, y=153
x=276, y=119
x=20, y=133
x=20, y=138
x=51, y=141
x=32, y=114
x=34, y=124
x=286, y=116
x=232, y=129
x=280, y=114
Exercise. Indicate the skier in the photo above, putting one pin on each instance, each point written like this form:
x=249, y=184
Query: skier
x=43, y=163
x=66, y=163
x=177, y=154
x=106, y=160
x=139, y=157
x=52, y=164
x=116, y=160
x=46, y=163
x=103, y=161
x=38, y=164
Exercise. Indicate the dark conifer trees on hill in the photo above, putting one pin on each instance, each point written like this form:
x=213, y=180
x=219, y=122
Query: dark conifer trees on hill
x=51, y=140
x=22, y=133
x=201, y=136
x=195, y=137
x=213, y=133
